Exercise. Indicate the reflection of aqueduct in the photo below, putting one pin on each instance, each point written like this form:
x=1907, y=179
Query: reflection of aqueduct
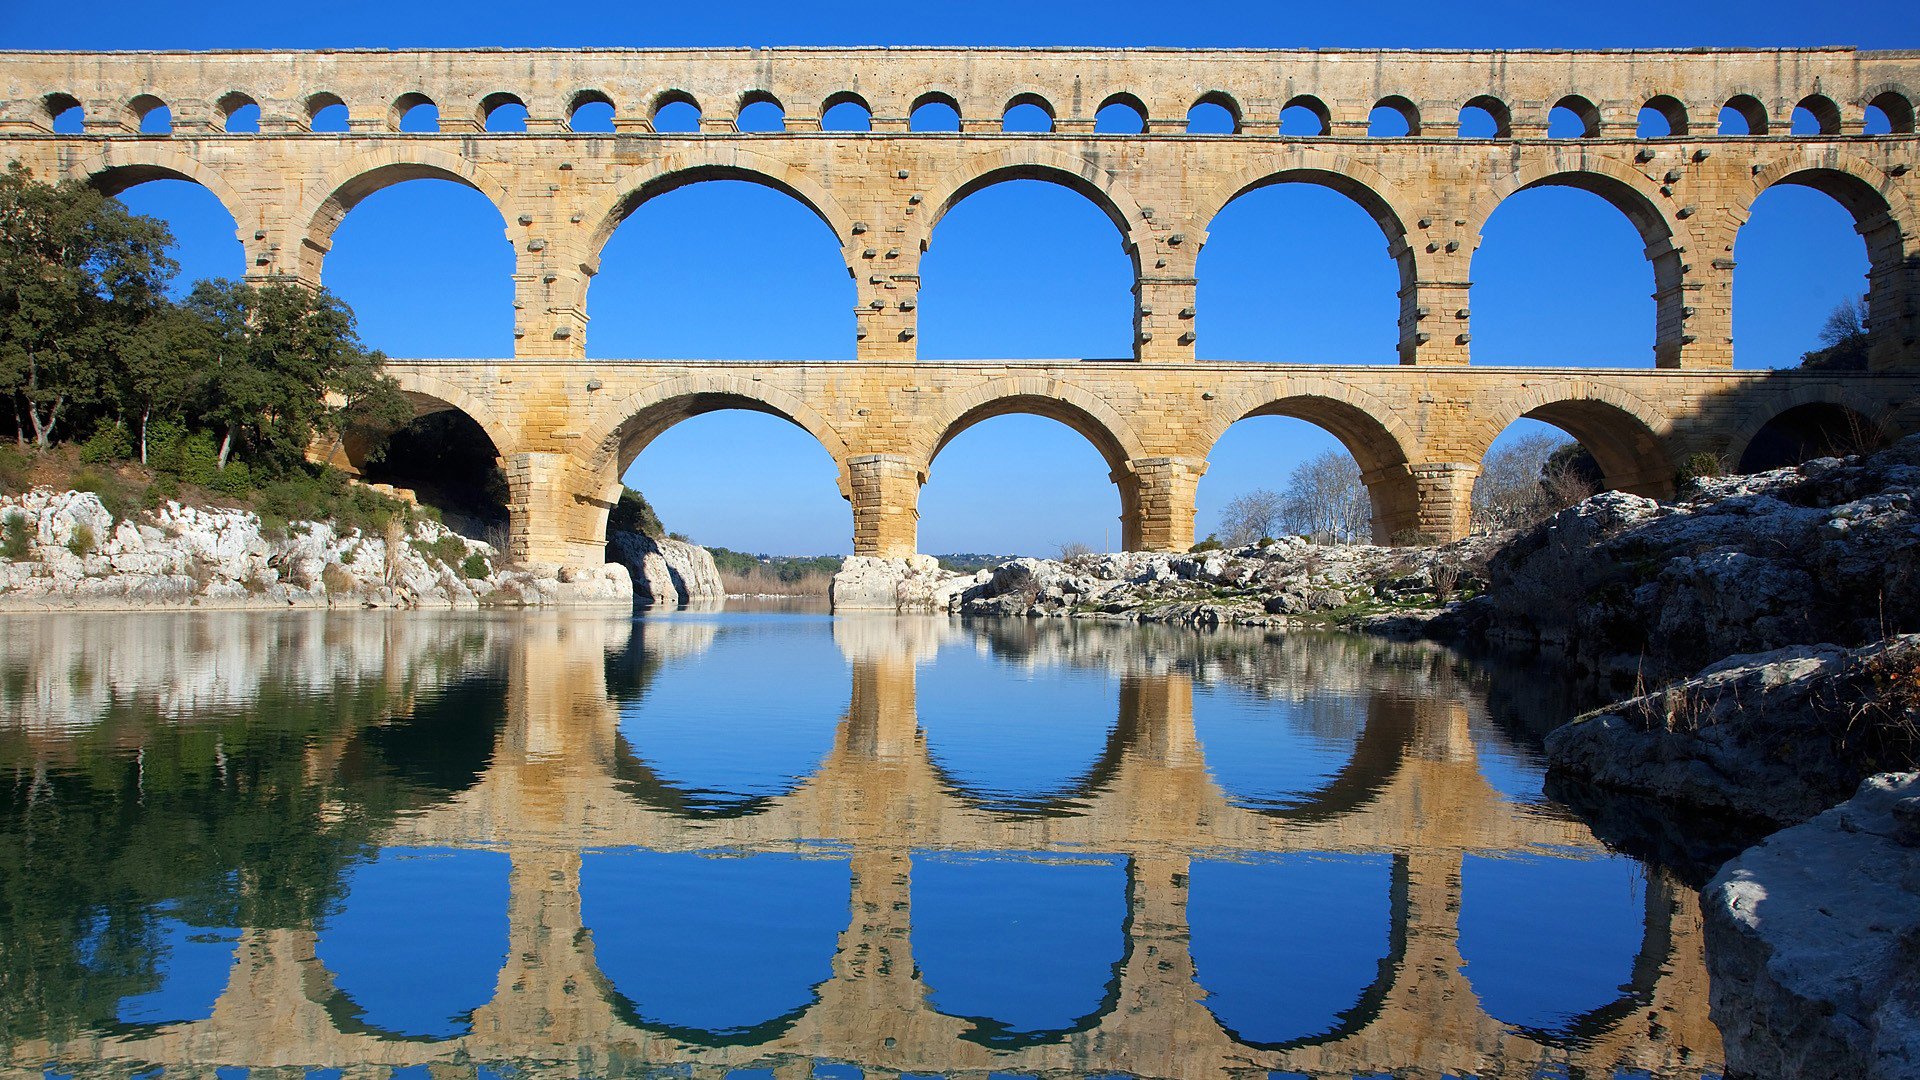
x=565, y=427
x=563, y=783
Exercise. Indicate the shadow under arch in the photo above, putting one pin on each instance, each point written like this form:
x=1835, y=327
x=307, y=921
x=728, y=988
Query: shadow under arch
x=1367, y=1007
x=693, y=166
x=1622, y=433
x=328, y=202
x=1379, y=440
x=1807, y=430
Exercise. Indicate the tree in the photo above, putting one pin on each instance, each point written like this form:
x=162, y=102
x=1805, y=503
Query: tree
x=79, y=277
x=285, y=365
x=1843, y=340
x=162, y=371
x=1530, y=479
x=1251, y=516
x=1326, y=499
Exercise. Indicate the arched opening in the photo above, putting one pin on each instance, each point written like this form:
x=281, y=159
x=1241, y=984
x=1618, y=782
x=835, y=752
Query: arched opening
x=1560, y=453
x=1573, y=117
x=1120, y=114
x=326, y=113
x=760, y=112
x=1027, y=114
x=1294, y=270
x=414, y=113
x=1813, y=430
x=934, y=112
x=417, y=943
x=1800, y=271
x=713, y=951
x=1546, y=968
x=152, y=114
x=449, y=462
x=1561, y=278
x=1022, y=264
x=1393, y=118
x=590, y=111
x=1302, y=755
x=1214, y=114
x=1889, y=114
x=65, y=114
x=1032, y=484
x=199, y=961
x=1331, y=919
x=846, y=111
x=450, y=293
x=1305, y=116
x=1055, y=927
x=503, y=112
x=675, y=112
x=672, y=283
x=1309, y=467
x=1816, y=115
x=239, y=114
x=1743, y=115
x=1662, y=117
x=1486, y=117
x=206, y=243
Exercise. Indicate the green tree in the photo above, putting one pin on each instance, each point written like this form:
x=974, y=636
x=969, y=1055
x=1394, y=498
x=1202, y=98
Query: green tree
x=161, y=376
x=285, y=365
x=79, y=276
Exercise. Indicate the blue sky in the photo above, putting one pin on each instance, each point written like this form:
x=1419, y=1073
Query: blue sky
x=1289, y=273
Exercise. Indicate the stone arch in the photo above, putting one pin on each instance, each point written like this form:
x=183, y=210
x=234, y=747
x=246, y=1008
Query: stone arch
x=1823, y=109
x=1404, y=107
x=1371, y=430
x=722, y=161
x=428, y=393
x=327, y=203
x=1875, y=415
x=1896, y=101
x=1225, y=101
x=1100, y=185
x=1039, y=395
x=1672, y=110
x=1496, y=109
x=118, y=166
x=1035, y=99
x=1624, y=432
x=1750, y=105
x=623, y=429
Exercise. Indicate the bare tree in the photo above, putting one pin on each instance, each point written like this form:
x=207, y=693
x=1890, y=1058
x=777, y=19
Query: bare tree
x=1846, y=321
x=1326, y=500
x=1073, y=549
x=1528, y=480
x=1250, y=517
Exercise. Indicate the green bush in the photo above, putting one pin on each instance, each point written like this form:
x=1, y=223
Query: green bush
x=474, y=566
x=115, y=494
x=107, y=444
x=1703, y=464
x=1211, y=543
x=449, y=550
x=16, y=470
x=81, y=542
x=235, y=480
x=16, y=537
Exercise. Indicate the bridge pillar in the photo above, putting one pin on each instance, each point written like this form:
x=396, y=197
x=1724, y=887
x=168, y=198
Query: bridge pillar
x=1441, y=504
x=1157, y=502
x=1893, y=315
x=1163, y=316
x=556, y=515
x=1434, y=320
x=885, y=492
x=549, y=294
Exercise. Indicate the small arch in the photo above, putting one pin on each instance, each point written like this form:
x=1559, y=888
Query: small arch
x=1098, y=422
x=1621, y=431
x=846, y=111
x=502, y=111
x=675, y=112
x=1027, y=114
x=65, y=114
x=239, y=113
x=1214, y=113
x=1895, y=109
x=1372, y=432
x=626, y=427
x=1808, y=430
x=152, y=115
x=326, y=112
x=590, y=111
x=1743, y=114
x=759, y=111
x=934, y=110
x=1305, y=115
x=1486, y=117
x=413, y=112
x=1394, y=117
x=1816, y=115
x=1663, y=116
x=1120, y=114
x=1573, y=117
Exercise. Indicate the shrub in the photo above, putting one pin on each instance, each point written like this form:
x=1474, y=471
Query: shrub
x=337, y=580
x=82, y=541
x=16, y=470
x=1703, y=464
x=114, y=493
x=474, y=566
x=16, y=537
x=449, y=549
x=1412, y=538
x=108, y=443
x=1211, y=543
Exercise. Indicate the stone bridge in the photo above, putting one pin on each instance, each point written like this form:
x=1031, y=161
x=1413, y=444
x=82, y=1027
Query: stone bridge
x=565, y=427
x=564, y=784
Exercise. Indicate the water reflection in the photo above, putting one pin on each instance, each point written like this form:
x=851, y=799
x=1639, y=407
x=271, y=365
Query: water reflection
x=739, y=843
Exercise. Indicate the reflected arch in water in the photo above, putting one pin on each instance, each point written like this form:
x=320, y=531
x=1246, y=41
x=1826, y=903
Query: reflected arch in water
x=197, y=962
x=1339, y=752
x=713, y=950
x=441, y=748
x=1299, y=949
x=416, y=944
x=1027, y=950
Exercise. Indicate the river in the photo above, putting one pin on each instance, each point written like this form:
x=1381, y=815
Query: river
x=792, y=845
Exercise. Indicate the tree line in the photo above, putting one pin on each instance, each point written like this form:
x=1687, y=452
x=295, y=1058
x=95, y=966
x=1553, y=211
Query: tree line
x=230, y=385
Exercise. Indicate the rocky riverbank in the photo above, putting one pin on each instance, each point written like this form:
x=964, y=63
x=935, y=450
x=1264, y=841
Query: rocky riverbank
x=66, y=551
x=668, y=572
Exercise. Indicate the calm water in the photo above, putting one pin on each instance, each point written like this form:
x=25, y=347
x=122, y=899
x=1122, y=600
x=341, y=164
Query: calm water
x=785, y=845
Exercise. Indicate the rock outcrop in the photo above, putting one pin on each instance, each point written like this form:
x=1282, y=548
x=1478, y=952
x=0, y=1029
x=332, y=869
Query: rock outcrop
x=1777, y=736
x=1813, y=942
x=1828, y=551
x=76, y=555
x=667, y=572
x=915, y=584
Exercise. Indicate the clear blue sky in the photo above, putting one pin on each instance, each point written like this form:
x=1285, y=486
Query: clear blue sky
x=1289, y=273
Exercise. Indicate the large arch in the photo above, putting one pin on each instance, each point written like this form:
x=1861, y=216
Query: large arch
x=1039, y=395
x=717, y=162
x=1622, y=431
x=1865, y=420
x=119, y=166
x=327, y=203
x=1086, y=177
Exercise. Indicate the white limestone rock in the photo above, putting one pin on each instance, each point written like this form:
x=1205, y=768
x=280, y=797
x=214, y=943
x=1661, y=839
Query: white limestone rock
x=913, y=584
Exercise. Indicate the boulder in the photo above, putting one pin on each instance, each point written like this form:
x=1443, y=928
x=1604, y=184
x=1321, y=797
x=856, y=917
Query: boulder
x=667, y=572
x=916, y=583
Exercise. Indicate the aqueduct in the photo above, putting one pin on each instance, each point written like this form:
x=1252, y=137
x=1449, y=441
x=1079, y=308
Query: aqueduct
x=565, y=426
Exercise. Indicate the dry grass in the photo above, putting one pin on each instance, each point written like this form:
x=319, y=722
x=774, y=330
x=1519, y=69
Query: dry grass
x=763, y=582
